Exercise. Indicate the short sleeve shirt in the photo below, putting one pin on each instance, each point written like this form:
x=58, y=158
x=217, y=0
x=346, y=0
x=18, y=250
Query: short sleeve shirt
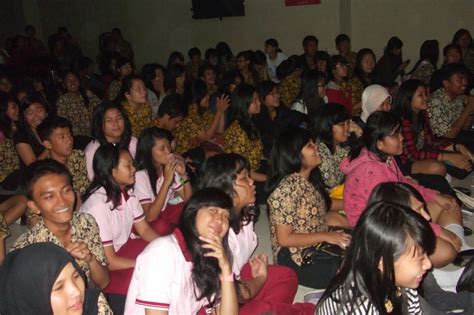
x=295, y=202
x=114, y=89
x=144, y=191
x=115, y=226
x=83, y=229
x=4, y=230
x=140, y=117
x=242, y=246
x=191, y=127
x=75, y=110
x=237, y=141
x=9, y=159
x=329, y=168
x=76, y=163
x=162, y=280
x=444, y=111
x=289, y=90
x=90, y=149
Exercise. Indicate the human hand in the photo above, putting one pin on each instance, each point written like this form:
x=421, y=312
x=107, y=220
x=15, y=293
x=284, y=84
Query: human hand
x=214, y=244
x=465, y=152
x=168, y=171
x=459, y=160
x=339, y=238
x=79, y=250
x=451, y=238
x=258, y=266
x=447, y=202
x=355, y=128
x=223, y=102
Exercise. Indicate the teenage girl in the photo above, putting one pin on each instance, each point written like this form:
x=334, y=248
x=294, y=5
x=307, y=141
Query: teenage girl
x=189, y=271
x=264, y=287
x=156, y=164
x=383, y=279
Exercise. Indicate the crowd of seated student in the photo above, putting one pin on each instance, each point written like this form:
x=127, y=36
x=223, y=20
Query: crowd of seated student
x=121, y=169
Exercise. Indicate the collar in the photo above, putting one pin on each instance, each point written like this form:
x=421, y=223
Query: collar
x=182, y=244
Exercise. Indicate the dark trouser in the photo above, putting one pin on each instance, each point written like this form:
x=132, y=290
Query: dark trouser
x=466, y=138
x=456, y=172
x=436, y=182
x=317, y=275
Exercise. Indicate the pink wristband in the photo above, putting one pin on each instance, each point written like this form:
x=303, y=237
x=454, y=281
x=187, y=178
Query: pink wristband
x=229, y=278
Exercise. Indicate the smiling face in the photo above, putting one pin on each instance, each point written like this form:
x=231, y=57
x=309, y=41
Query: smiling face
x=340, y=132
x=410, y=267
x=67, y=295
x=209, y=77
x=34, y=115
x=419, y=101
x=124, y=173
x=71, y=83
x=12, y=111
x=310, y=155
x=212, y=220
x=244, y=190
x=53, y=198
x=456, y=85
x=114, y=125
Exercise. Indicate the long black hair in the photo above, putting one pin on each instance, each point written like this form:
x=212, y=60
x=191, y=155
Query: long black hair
x=429, y=50
x=327, y=117
x=379, y=125
x=106, y=158
x=144, y=157
x=395, y=192
x=6, y=124
x=364, y=78
x=98, y=121
x=206, y=270
x=220, y=171
x=172, y=73
x=149, y=74
x=309, y=90
x=286, y=159
x=82, y=90
x=384, y=232
x=241, y=99
x=402, y=105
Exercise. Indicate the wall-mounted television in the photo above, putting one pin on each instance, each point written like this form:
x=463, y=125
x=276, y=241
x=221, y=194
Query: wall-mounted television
x=208, y=9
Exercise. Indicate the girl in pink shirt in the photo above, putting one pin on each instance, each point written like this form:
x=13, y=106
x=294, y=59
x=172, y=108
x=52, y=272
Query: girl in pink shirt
x=111, y=201
x=373, y=163
x=161, y=179
x=110, y=124
x=189, y=271
x=264, y=288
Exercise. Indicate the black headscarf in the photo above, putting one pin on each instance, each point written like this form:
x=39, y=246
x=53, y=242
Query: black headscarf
x=27, y=277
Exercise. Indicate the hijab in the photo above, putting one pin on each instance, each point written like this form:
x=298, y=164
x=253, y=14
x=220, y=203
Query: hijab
x=27, y=277
x=372, y=97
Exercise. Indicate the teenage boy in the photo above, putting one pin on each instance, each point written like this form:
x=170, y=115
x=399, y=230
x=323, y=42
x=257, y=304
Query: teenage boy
x=48, y=188
x=450, y=110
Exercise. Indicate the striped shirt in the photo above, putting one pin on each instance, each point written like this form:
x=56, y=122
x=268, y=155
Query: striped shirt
x=362, y=306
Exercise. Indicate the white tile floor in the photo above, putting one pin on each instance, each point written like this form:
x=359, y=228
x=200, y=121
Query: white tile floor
x=263, y=231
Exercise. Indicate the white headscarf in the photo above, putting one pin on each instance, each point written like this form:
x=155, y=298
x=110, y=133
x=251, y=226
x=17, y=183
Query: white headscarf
x=372, y=97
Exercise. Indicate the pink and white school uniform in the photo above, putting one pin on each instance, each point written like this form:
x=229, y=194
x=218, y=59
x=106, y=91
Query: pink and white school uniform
x=162, y=279
x=279, y=290
x=172, y=207
x=90, y=149
x=115, y=226
x=115, y=229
